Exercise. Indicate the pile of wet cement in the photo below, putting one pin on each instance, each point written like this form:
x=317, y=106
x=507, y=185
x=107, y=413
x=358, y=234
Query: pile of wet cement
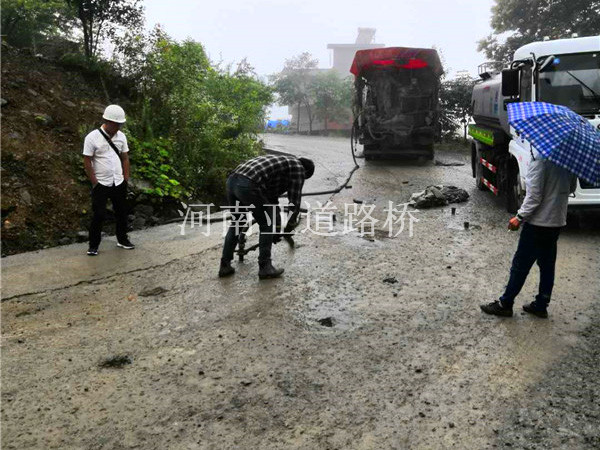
x=438, y=196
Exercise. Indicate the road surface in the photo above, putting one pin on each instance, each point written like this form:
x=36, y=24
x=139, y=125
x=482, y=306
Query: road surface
x=367, y=342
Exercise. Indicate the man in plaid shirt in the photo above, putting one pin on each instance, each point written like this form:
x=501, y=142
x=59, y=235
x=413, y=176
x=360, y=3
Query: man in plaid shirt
x=260, y=182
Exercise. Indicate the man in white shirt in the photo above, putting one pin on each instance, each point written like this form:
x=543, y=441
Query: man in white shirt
x=106, y=162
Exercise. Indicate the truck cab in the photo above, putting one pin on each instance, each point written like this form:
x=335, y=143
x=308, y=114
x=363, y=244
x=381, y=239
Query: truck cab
x=563, y=72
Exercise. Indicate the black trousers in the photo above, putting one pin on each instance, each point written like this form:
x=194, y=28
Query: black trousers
x=117, y=195
x=243, y=190
x=536, y=244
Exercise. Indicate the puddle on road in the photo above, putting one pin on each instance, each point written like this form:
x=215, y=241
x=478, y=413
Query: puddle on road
x=327, y=314
x=327, y=302
x=463, y=226
x=377, y=235
x=327, y=310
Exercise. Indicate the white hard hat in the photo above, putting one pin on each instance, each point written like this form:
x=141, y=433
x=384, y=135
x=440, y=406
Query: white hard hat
x=114, y=113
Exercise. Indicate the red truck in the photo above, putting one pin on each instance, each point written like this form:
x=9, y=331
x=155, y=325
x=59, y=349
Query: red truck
x=396, y=103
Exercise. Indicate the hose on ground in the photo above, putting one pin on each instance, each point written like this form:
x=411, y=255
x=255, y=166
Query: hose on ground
x=353, y=140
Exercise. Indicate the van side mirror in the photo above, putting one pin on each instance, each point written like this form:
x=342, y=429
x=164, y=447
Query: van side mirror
x=510, y=82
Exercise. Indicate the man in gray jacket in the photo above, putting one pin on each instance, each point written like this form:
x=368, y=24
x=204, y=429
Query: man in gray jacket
x=543, y=214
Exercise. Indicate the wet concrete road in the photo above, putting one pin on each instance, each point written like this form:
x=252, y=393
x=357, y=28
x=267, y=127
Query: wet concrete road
x=409, y=362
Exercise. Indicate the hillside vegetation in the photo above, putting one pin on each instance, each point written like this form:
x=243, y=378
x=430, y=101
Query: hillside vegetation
x=46, y=108
x=189, y=120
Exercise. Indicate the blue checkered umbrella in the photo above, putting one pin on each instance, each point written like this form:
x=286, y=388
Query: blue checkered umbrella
x=559, y=134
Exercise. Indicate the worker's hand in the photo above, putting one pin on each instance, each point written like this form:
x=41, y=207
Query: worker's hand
x=514, y=224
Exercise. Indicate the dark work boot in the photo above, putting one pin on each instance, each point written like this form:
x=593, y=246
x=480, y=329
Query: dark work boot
x=536, y=309
x=496, y=309
x=225, y=269
x=266, y=270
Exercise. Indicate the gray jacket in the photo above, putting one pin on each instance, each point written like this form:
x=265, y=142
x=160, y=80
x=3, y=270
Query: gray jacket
x=547, y=194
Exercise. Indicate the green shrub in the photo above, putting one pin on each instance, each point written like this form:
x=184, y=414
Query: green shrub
x=152, y=162
x=209, y=114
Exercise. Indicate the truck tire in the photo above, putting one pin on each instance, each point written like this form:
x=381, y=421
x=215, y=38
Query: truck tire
x=514, y=192
x=574, y=220
x=430, y=155
x=368, y=149
x=477, y=168
x=424, y=142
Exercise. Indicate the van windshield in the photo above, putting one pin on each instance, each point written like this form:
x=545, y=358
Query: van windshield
x=573, y=81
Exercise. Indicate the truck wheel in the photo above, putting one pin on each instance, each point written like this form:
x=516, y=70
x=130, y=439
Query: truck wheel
x=430, y=152
x=477, y=168
x=574, y=220
x=368, y=148
x=515, y=194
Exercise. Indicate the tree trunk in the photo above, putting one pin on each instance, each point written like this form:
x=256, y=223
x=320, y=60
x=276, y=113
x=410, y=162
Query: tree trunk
x=326, y=115
x=310, y=118
x=106, y=96
x=298, y=124
x=97, y=37
x=84, y=26
x=86, y=39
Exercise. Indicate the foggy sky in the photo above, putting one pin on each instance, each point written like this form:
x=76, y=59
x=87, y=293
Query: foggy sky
x=267, y=31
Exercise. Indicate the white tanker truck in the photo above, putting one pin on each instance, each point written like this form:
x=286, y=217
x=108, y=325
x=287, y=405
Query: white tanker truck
x=564, y=72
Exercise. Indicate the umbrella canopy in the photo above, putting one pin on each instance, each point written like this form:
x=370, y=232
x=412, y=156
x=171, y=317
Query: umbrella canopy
x=560, y=135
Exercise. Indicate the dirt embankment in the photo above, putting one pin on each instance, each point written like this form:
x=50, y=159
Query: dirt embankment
x=46, y=110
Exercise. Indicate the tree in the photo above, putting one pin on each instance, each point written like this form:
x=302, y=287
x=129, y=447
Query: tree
x=211, y=115
x=27, y=22
x=293, y=84
x=332, y=96
x=455, y=104
x=527, y=21
x=102, y=18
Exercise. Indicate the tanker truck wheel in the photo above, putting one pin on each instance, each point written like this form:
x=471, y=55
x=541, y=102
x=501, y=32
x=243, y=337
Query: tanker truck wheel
x=515, y=194
x=477, y=168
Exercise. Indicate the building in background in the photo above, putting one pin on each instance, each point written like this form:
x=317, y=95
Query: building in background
x=343, y=54
x=342, y=57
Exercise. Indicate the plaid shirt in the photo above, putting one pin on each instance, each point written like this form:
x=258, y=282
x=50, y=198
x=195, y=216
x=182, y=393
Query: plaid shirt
x=275, y=174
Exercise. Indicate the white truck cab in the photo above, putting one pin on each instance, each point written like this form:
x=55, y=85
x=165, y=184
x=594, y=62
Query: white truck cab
x=564, y=72
x=572, y=79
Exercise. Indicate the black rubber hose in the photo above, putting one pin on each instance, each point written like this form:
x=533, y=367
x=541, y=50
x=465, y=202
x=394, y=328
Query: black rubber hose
x=304, y=194
x=356, y=166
